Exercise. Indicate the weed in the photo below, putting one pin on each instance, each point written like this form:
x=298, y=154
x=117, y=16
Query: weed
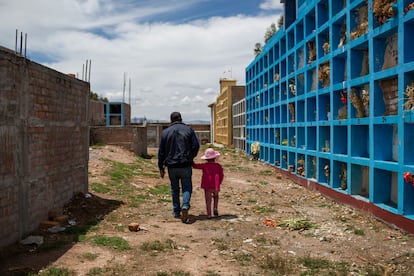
x=98, y=145
x=55, y=271
x=317, y=265
x=152, y=175
x=314, y=263
x=90, y=256
x=136, y=200
x=359, y=232
x=262, y=210
x=212, y=273
x=96, y=271
x=158, y=245
x=277, y=265
x=113, y=242
x=217, y=240
x=244, y=258
x=297, y=224
x=266, y=172
x=356, y=231
x=341, y=218
x=180, y=273
x=81, y=229
x=261, y=240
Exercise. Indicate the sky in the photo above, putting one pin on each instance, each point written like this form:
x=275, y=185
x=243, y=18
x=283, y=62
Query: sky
x=158, y=55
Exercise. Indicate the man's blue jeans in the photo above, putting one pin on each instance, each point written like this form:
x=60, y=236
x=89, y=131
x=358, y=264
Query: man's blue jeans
x=176, y=176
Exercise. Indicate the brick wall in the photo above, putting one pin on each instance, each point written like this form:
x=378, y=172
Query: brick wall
x=133, y=138
x=154, y=131
x=96, y=113
x=43, y=143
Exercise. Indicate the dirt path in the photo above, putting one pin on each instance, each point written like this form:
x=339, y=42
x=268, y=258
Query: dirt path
x=267, y=225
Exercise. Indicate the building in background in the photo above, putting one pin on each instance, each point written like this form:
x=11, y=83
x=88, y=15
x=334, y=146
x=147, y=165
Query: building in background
x=239, y=125
x=222, y=117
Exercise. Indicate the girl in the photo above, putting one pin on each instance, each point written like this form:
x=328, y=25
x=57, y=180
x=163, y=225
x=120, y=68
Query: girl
x=211, y=179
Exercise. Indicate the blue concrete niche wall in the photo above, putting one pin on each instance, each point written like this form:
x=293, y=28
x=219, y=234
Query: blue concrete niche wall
x=328, y=101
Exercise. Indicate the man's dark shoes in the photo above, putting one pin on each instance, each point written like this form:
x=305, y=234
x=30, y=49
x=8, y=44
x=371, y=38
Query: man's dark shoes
x=177, y=215
x=184, y=216
x=215, y=212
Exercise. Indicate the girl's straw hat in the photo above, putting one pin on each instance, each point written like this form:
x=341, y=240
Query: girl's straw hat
x=210, y=154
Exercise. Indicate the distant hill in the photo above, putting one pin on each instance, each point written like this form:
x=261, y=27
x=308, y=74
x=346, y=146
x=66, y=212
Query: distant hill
x=195, y=122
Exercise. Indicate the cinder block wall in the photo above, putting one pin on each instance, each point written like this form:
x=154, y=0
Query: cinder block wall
x=43, y=143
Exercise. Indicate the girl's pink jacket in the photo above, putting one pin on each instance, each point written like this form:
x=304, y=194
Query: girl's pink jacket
x=212, y=175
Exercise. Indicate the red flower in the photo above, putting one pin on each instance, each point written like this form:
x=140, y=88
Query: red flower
x=408, y=177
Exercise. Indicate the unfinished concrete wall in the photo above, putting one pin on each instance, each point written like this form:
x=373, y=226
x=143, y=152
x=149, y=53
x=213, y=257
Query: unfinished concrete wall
x=43, y=143
x=133, y=138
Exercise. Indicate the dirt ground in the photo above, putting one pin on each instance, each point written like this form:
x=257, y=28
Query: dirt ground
x=267, y=225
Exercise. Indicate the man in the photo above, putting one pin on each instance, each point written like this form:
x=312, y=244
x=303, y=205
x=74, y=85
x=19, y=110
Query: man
x=178, y=147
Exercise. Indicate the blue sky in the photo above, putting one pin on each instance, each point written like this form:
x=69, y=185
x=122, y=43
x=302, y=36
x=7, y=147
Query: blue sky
x=173, y=52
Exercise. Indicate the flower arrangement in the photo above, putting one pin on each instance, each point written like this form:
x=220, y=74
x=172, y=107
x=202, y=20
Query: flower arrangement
x=324, y=74
x=409, y=93
x=343, y=177
x=409, y=178
x=362, y=27
x=409, y=7
x=383, y=10
x=357, y=103
x=312, y=51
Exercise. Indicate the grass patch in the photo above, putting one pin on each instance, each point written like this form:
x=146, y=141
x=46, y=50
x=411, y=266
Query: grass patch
x=152, y=175
x=99, y=188
x=56, y=271
x=120, y=172
x=112, y=242
x=220, y=244
x=244, y=259
x=81, y=229
x=263, y=210
x=297, y=224
x=278, y=265
x=316, y=266
x=174, y=273
x=212, y=273
x=136, y=200
x=158, y=245
x=98, y=145
x=160, y=190
x=56, y=245
x=96, y=271
x=266, y=172
x=90, y=256
x=356, y=231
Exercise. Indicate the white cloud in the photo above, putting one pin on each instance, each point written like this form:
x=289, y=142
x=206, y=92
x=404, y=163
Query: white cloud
x=171, y=66
x=271, y=5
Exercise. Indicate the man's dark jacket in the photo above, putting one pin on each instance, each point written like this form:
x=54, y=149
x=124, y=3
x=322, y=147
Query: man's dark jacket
x=178, y=146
